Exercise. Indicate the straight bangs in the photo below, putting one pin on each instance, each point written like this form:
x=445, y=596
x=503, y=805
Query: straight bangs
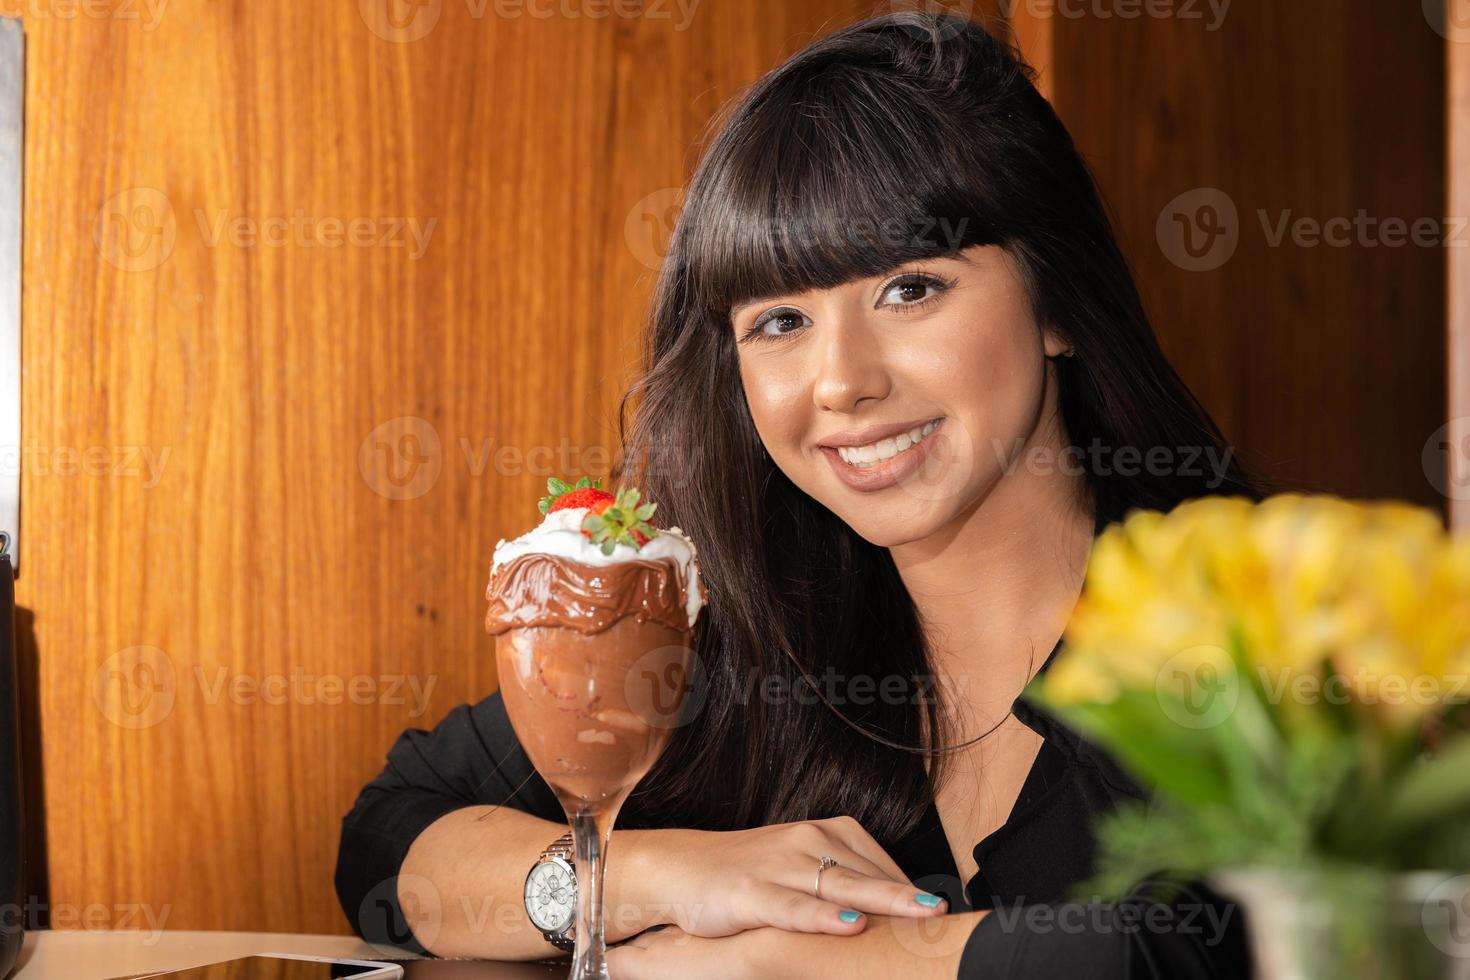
x=851, y=184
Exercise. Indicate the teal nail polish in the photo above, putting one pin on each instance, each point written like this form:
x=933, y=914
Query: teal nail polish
x=927, y=900
x=848, y=916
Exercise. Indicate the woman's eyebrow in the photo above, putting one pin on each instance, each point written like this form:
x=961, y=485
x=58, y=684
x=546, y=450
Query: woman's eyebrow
x=741, y=307
x=738, y=308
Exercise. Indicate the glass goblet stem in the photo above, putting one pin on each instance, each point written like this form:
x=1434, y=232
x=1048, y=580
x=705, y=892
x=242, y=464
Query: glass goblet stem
x=591, y=834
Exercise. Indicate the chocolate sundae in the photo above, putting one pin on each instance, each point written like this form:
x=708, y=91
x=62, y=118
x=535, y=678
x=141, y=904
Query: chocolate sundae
x=593, y=613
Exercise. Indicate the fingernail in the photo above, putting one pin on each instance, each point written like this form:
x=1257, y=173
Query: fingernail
x=849, y=916
x=927, y=900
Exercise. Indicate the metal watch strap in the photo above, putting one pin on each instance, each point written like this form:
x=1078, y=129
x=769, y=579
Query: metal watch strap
x=562, y=848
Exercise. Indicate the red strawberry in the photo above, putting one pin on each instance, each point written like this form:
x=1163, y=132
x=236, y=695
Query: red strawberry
x=585, y=497
x=561, y=494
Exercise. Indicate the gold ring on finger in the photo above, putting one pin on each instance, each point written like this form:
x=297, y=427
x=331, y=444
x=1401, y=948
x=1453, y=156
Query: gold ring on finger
x=823, y=863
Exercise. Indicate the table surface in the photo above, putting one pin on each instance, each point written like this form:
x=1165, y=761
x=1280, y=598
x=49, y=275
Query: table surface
x=103, y=955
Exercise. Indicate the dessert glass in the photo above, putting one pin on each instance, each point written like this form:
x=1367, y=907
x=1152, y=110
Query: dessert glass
x=593, y=662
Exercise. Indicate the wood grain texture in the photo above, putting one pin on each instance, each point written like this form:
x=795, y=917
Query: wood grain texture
x=1324, y=365
x=1457, y=264
x=272, y=438
x=281, y=538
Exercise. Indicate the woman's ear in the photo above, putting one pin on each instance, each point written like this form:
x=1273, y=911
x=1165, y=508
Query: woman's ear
x=1054, y=344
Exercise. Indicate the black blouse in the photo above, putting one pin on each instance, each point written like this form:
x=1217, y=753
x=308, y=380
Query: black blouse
x=1026, y=865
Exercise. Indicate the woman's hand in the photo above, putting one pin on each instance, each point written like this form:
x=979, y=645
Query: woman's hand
x=890, y=947
x=718, y=883
x=670, y=953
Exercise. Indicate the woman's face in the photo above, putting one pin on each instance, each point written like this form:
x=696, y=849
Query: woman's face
x=900, y=401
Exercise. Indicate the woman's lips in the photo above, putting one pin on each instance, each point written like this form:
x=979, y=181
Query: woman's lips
x=884, y=473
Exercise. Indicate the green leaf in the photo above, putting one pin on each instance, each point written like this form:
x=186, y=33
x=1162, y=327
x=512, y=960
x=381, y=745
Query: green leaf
x=1179, y=760
x=557, y=487
x=1435, y=789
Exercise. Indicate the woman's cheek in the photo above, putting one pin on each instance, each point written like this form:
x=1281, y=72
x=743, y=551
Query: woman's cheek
x=774, y=395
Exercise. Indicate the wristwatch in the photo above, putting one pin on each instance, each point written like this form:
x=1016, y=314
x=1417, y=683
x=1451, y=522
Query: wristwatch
x=551, y=894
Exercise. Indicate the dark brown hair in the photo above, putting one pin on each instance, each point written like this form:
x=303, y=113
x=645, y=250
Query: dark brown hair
x=901, y=137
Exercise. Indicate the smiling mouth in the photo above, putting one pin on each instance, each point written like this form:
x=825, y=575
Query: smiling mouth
x=863, y=457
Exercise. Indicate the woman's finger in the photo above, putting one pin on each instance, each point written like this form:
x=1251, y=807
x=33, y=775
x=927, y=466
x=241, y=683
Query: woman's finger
x=804, y=877
x=797, y=911
x=852, y=834
x=850, y=889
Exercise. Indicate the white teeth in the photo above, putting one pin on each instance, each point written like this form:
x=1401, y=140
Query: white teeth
x=865, y=456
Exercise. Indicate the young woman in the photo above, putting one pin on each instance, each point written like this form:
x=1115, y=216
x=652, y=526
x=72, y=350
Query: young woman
x=898, y=378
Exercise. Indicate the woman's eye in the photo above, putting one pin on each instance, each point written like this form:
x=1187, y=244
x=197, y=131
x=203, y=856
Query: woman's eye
x=913, y=290
x=779, y=323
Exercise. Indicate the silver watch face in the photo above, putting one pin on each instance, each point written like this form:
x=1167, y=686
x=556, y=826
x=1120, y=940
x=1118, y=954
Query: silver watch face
x=551, y=895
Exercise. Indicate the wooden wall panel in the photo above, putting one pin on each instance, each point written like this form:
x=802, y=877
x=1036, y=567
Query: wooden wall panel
x=271, y=437
x=293, y=539
x=1457, y=266
x=1325, y=365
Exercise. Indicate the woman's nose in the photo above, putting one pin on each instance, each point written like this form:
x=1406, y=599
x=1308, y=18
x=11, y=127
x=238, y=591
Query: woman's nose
x=849, y=368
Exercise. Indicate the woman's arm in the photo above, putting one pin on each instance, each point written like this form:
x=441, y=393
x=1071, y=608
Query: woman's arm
x=435, y=851
x=1194, y=935
x=890, y=946
x=460, y=884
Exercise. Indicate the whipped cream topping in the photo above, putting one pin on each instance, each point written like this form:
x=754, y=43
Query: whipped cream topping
x=560, y=534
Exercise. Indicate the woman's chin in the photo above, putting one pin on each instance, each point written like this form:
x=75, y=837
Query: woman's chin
x=889, y=525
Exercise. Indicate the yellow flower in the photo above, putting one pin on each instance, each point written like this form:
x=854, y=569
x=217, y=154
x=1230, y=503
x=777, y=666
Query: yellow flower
x=1376, y=592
